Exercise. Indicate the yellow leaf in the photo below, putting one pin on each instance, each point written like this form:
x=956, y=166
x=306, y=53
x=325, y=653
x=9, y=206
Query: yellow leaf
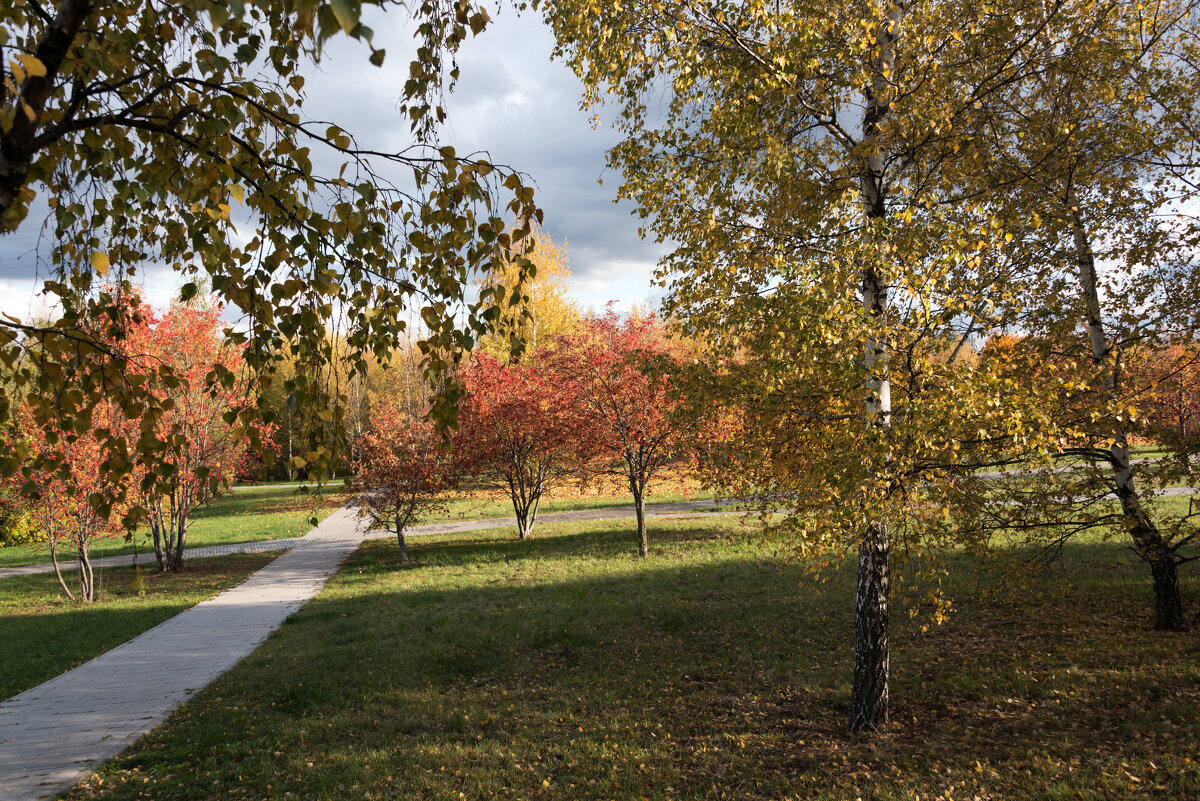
x=33, y=65
x=238, y=193
x=100, y=262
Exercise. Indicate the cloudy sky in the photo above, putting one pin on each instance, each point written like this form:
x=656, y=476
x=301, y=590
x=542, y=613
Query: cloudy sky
x=512, y=101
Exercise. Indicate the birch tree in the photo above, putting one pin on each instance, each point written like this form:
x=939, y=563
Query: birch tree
x=798, y=155
x=1093, y=157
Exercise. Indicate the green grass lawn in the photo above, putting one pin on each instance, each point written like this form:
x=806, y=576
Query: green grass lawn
x=277, y=511
x=484, y=508
x=566, y=668
x=264, y=512
x=43, y=634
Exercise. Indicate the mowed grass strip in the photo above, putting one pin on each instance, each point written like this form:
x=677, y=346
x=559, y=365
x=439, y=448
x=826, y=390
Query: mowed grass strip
x=278, y=511
x=43, y=634
x=484, y=505
x=565, y=667
x=248, y=514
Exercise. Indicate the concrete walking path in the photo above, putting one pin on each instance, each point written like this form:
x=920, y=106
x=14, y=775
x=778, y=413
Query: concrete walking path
x=55, y=734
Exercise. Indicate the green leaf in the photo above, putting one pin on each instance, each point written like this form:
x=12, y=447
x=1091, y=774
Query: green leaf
x=347, y=13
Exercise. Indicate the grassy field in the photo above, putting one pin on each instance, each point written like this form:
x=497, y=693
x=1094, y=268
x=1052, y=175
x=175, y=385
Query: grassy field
x=277, y=511
x=43, y=634
x=486, y=505
x=248, y=513
x=566, y=668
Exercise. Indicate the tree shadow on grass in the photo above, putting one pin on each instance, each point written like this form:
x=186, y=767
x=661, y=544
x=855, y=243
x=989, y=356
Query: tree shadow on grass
x=726, y=678
x=592, y=539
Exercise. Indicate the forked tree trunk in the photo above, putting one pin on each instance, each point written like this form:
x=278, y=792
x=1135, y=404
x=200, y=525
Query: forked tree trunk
x=1147, y=539
x=526, y=513
x=869, y=696
x=525, y=501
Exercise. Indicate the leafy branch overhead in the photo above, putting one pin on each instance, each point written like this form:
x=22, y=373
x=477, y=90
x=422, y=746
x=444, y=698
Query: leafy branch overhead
x=176, y=134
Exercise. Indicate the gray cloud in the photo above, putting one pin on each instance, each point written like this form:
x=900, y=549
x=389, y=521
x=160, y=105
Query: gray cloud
x=511, y=101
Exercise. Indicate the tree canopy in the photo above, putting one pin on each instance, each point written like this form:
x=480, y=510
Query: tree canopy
x=841, y=232
x=176, y=134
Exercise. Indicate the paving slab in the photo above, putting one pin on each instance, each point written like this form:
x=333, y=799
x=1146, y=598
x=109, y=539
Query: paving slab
x=53, y=735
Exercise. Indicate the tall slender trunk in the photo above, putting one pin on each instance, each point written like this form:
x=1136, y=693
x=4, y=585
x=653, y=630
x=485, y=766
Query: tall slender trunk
x=1147, y=539
x=180, y=538
x=87, y=581
x=291, y=470
x=156, y=535
x=869, y=697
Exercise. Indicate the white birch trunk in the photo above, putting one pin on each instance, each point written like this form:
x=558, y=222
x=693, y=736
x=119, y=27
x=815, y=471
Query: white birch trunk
x=869, y=700
x=1147, y=539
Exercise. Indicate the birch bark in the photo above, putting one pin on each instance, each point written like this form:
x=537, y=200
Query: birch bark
x=869, y=699
x=1147, y=539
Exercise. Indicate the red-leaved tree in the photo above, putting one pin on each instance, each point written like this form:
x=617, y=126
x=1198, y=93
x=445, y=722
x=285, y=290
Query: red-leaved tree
x=1167, y=382
x=208, y=422
x=618, y=374
x=403, y=467
x=67, y=493
x=519, y=433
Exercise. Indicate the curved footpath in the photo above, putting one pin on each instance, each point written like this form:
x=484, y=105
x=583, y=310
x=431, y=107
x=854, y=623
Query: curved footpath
x=53, y=735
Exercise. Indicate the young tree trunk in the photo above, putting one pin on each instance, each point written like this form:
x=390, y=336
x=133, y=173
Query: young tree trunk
x=87, y=586
x=156, y=537
x=1147, y=539
x=58, y=570
x=291, y=469
x=180, y=536
x=400, y=538
x=639, y=506
x=869, y=696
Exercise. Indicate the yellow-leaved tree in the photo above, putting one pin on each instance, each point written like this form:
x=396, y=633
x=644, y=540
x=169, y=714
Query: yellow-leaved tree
x=543, y=292
x=820, y=172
